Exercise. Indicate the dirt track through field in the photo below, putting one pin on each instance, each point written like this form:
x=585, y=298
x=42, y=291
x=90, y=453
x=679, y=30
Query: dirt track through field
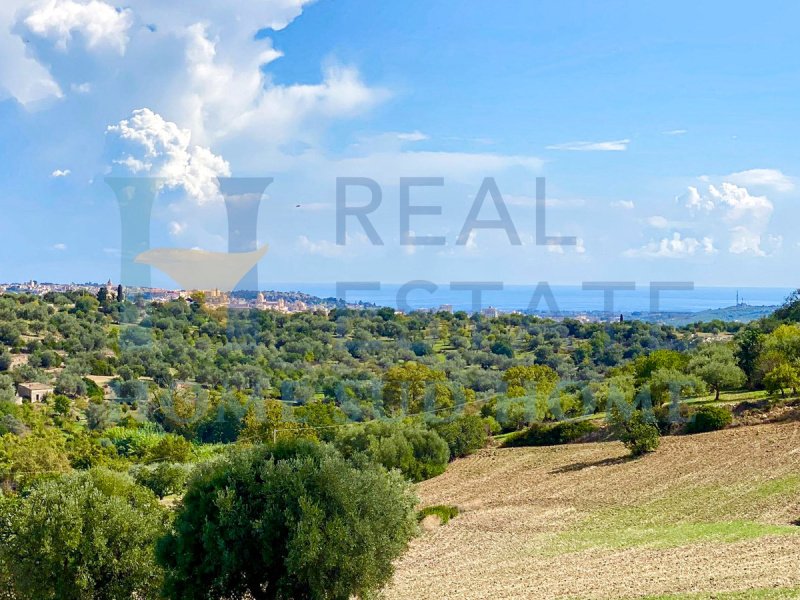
x=706, y=513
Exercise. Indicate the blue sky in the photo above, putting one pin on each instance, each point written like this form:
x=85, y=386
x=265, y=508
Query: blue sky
x=667, y=134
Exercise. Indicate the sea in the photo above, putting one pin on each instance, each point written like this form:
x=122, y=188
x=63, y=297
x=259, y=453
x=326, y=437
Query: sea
x=568, y=299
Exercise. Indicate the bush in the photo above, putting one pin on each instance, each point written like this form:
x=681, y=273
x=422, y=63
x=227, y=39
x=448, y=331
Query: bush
x=464, y=435
x=292, y=520
x=90, y=535
x=540, y=434
x=639, y=435
x=709, y=418
x=668, y=420
x=443, y=511
x=417, y=452
x=163, y=479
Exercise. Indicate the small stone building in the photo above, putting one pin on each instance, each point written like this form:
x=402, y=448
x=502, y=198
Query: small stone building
x=35, y=392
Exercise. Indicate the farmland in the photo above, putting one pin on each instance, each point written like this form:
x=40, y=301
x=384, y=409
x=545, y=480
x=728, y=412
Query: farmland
x=706, y=513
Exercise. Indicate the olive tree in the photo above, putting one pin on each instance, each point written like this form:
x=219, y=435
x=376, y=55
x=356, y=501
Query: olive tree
x=88, y=535
x=294, y=520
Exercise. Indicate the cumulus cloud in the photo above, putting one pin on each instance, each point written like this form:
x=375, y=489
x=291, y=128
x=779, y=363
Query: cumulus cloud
x=160, y=148
x=59, y=246
x=226, y=97
x=60, y=173
x=21, y=76
x=98, y=23
x=610, y=146
x=675, y=247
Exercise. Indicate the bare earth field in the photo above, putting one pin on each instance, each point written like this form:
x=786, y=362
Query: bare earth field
x=704, y=515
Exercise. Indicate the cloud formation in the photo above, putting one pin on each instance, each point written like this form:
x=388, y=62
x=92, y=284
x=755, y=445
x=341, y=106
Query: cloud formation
x=150, y=145
x=610, y=146
x=675, y=247
x=96, y=22
x=767, y=178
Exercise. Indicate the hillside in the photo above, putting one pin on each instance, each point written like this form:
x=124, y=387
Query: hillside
x=706, y=513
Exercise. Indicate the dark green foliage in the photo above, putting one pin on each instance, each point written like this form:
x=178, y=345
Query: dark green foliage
x=171, y=448
x=163, y=479
x=417, y=452
x=503, y=348
x=636, y=431
x=540, y=434
x=709, y=418
x=291, y=521
x=445, y=512
x=5, y=360
x=89, y=535
x=464, y=434
x=790, y=311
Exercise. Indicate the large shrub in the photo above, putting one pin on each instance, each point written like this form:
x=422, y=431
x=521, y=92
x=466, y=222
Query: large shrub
x=636, y=431
x=295, y=520
x=417, y=452
x=540, y=434
x=464, y=434
x=90, y=535
x=163, y=479
x=709, y=418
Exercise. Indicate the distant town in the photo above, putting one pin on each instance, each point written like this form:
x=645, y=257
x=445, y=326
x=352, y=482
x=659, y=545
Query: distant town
x=289, y=302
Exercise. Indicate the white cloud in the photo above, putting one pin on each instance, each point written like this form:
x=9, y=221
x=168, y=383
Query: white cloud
x=578, y=248
x=610, y=146
x=694, y=200
x=674, y=247
x=160, y=148
x=226, y=97
x=322, y=248
x=413, y=136
x=176, y=228
x=59, y=246
x=623, y=204
x=675, y=132
x=769, y=178
x=81, y=88
x=746, y=215
x=21, y=76
x=60, y=173
x=658, y=222
x=98, y=23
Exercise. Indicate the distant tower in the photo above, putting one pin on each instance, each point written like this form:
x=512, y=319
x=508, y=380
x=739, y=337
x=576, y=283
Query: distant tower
x=737, y=297
x=621, y=318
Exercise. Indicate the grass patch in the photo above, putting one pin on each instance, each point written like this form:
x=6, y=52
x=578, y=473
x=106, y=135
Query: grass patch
x=720, y=514
x=443, y=511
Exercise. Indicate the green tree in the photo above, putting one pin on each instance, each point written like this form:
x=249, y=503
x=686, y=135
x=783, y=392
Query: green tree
x=289, y=521
x=716, y=365
x=464, y=434
x=519, y=377
x=88, y=535
x=781, y=377
x=408, y=382
x=164, y=478
x=635, y=431
x=61, y=404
